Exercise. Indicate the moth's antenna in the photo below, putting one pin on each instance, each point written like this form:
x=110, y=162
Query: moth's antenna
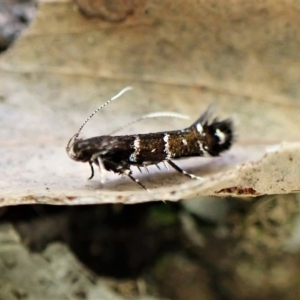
x=152, y=115
x=128, y=88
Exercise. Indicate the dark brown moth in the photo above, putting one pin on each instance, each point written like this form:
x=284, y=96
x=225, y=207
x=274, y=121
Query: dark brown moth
x=205, y=137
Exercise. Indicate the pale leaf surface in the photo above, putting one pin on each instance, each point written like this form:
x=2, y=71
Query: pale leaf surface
x=179, y=56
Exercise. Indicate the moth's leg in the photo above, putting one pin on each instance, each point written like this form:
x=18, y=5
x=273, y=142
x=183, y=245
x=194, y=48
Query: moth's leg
x=166, y=166
x=145, y=167
x=183, y=172
x=128, y=173
x=122, y=169
x=92, y=169
x=101, y=169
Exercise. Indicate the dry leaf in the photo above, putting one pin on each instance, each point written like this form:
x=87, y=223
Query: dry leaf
x=179, y=56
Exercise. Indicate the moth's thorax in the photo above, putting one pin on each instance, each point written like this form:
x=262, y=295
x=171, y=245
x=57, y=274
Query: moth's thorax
x=88, y=150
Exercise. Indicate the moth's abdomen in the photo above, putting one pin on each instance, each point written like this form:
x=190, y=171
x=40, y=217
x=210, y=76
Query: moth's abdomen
x=156, y=147
x=201, y=139
x=183, y=143
x=147, y=149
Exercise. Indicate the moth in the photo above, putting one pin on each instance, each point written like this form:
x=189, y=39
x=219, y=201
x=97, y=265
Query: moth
x=118, y=153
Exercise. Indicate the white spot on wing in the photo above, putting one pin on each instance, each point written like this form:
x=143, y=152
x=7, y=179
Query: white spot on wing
x=167, y=150
x=132, y=157
x=221, y=135
x=136, y=146
x=184, y=142
x=203, y=149
x=199, y=128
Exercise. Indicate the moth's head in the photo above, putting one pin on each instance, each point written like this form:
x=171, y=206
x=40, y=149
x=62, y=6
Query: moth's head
x=218, y=136
x=70, y=147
